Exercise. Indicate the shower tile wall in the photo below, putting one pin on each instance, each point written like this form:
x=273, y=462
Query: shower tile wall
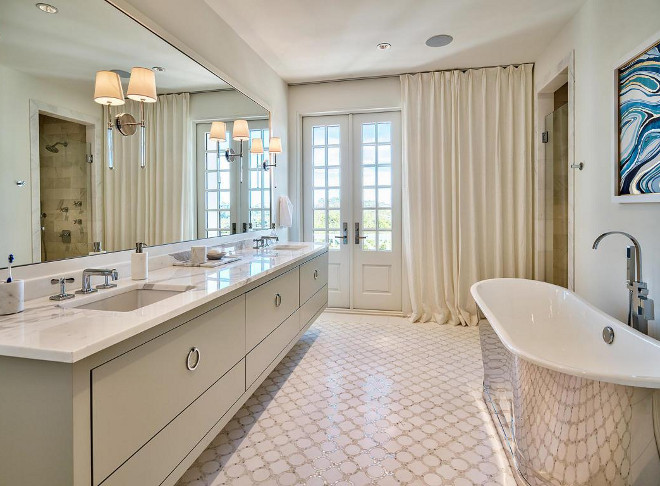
x=64, y=181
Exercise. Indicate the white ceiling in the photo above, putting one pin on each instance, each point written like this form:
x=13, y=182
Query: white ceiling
x=86, y=36
x=311, y=40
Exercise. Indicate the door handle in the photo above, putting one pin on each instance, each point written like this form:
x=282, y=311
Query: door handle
x=343, y=237
x=357, y=234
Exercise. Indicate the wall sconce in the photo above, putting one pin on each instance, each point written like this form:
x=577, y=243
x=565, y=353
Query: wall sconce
x=108, y=91
x=240, y=133
x=274, y=147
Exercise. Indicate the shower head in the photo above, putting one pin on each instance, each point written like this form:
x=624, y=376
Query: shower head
x=53, y=148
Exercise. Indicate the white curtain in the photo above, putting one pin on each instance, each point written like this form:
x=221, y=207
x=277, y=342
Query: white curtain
x=157, y=204
x=467, y=185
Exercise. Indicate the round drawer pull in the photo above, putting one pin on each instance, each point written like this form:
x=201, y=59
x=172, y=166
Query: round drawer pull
x=278, y=300
x=193, y=351
x=316, y=274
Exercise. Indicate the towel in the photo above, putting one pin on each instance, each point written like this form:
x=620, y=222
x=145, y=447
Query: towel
x=286, y=212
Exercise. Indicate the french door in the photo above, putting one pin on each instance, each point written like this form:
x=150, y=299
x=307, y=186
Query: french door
x=352, y=200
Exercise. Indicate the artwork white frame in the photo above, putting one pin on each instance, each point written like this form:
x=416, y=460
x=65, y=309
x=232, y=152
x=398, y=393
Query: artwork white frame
x=629, y=56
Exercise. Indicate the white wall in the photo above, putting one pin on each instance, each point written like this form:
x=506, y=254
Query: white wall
x=16, y=202
x=224, y=104
x=328, y=98
x=196, y=29
x=601, y=33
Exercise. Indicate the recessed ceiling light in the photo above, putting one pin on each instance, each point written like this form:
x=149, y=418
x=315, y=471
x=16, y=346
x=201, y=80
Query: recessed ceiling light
x=383, y=46
x=439, y=40
x=45, y=7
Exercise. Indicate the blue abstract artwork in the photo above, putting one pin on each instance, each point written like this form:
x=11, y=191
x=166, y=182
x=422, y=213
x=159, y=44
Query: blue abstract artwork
x=639, y=124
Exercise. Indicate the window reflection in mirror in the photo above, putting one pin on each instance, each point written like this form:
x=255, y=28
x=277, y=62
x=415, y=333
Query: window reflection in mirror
x=54, y=138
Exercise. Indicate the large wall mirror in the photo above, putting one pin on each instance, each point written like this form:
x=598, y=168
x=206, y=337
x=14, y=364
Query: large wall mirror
x=79, y=174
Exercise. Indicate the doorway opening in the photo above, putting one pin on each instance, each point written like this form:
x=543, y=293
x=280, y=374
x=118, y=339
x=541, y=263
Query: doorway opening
x=555, y=140
x=64, y=188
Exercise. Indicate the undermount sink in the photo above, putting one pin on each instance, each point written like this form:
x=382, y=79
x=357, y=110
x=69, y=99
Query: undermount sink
x=132, y=299
x=289, y=247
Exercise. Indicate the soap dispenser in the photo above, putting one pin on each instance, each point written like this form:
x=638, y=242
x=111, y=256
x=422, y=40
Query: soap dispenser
x=139, y=263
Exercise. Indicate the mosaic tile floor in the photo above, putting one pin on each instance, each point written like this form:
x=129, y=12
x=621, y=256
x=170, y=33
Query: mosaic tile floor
x=364, y=400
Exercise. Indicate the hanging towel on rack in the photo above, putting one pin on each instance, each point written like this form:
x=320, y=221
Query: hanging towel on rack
x=286, y=212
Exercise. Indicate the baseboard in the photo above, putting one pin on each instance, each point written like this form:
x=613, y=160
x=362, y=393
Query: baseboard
x=340, y=310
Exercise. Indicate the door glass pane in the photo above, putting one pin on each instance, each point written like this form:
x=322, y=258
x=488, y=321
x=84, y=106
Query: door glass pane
x=319, y=177
x=319, y=198
x=326, y=157
x=333, y=156
x=319, y=135
x=217, y=188
x=384, y=175
x=369, y=219
x=385, y=219
x=384, y=133
x=368, y=133
x=319, y=156
x=368, y=155
x=369, y=242
x=369, y=198
x=333, y=178
x=333, y=135
x=368, y=176
x=333, y=198
x=377, y=186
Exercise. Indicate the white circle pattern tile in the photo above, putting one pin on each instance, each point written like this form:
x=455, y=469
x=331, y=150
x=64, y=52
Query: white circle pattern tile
x=364, y=400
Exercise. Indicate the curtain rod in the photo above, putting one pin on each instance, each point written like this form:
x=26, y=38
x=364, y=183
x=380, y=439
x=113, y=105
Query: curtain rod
x=385, y=76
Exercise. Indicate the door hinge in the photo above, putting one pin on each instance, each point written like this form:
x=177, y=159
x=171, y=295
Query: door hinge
x=545, y=137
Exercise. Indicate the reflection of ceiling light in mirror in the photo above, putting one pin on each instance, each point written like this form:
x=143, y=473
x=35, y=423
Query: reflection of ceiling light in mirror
x=383, y=46
x=440, y=40
x=45, y=7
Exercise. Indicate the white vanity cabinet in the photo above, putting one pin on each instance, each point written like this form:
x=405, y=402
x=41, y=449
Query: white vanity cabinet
x=141, y=411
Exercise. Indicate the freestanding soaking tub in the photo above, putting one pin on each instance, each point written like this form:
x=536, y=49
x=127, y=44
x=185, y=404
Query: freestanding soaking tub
x=570, y=408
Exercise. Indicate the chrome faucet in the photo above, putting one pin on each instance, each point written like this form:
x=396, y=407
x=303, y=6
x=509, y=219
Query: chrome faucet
x=104, y=272
x=263, y=242
x=640, y=307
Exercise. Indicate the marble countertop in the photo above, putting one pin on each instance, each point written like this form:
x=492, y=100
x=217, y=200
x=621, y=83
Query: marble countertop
x=49, y=331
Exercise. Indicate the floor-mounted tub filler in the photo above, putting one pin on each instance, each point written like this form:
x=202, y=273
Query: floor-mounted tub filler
x=571, y=390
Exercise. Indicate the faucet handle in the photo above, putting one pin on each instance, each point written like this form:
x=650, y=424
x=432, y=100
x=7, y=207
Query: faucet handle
x=62, y=281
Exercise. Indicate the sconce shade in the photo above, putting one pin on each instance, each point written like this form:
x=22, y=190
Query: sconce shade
x=218, y=131
x=257, y=146
x=241, y=131
x=142, y=85
x=275, y=146
x=107, y=89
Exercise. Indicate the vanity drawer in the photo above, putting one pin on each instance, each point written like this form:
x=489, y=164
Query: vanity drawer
x=267, y=350
x=136, y=394
x=156, y=460
x=268, y=305
x=313, y=276
x=310, y=308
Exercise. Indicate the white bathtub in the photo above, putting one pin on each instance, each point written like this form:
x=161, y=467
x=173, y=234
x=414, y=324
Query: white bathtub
x=552, y=327
x=570, y=408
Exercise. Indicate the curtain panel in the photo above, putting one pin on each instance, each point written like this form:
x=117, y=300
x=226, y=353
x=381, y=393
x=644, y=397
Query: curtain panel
x=467, y=185
x=156, y=204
